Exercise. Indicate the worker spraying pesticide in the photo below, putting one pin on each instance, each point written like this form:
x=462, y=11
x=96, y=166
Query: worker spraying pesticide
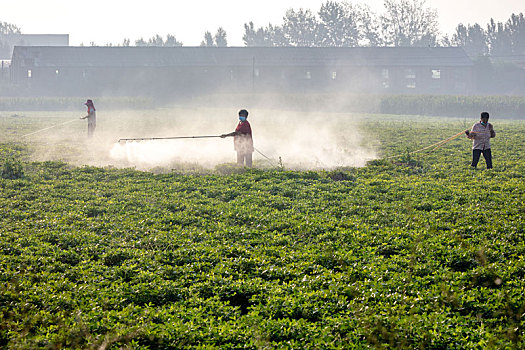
x=242, y=140
x=480, y=134
x=91, y=117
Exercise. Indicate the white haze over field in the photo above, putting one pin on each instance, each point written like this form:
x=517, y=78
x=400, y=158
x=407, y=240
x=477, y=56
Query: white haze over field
x=296, y=140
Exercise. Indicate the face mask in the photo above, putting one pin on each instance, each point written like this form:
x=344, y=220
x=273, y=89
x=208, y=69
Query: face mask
x=483, y=123
x=242, y=119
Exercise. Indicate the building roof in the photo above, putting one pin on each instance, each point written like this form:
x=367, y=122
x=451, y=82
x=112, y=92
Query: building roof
x=13, y=40
x=36, y=39
x=132, y=56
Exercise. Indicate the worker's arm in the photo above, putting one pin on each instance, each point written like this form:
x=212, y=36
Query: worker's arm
x=470, y=134
x=230, y=134
x=492, y=132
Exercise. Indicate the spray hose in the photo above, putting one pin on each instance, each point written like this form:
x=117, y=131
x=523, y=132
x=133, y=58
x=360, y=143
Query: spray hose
x=49, y=127
x=270, y=159
x=435, y=145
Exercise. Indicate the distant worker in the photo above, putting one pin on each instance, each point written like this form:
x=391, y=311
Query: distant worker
x=242, y=140
x=91, y=117
x=480, y=134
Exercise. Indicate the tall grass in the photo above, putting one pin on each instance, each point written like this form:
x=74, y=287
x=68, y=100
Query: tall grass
x=431, y=105
x=71, y=103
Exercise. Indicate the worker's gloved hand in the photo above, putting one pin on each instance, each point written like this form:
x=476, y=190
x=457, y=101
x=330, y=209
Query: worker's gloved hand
x=467, y=132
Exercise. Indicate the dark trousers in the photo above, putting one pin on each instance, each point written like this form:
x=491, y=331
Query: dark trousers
x=487, y=154
x=244, y=157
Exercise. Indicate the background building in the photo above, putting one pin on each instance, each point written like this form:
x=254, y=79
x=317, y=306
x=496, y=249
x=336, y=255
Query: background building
x=189, y=71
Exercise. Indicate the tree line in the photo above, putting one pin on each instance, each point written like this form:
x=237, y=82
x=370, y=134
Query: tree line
x=403, y=23
x=5, y=29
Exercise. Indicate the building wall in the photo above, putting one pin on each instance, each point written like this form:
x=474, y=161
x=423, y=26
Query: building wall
x=184, y=80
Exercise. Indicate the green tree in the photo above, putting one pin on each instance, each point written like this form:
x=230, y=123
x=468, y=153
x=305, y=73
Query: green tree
x=409, y=23
x=7, y=29
x=472, y=38
x=300, y=28
x=515, y=27
x=141, y=42
x=208, y=40
x=370, y=26
x=157, y=40
x=269, y=36
x=256, y=37
x=498, y=39
x=171, y=41
x=220, y=38
x=338, y=25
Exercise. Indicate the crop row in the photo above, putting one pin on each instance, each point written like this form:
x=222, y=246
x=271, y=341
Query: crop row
x=429, y=105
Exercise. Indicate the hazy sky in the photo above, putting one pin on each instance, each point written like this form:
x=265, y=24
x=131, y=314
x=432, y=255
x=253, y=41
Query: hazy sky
x=112, y=21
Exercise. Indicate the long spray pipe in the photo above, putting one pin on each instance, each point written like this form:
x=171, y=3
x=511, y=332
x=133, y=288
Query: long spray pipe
x=168, y=138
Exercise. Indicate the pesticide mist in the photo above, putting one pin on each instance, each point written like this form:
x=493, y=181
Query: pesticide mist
x=291, y=139
x=294, y=140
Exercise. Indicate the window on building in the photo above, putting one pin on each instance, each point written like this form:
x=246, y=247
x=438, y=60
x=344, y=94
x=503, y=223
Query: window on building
x=334, y=75
x=385, y=75
x=29, y=73
x=410, y=77
x=308, y=75
x=436, y=74
x=256, y=72
x=56, y=72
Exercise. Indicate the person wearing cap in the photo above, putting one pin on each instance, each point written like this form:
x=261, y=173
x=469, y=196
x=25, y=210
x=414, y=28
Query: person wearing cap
x=480, y=134
x=242, y=140
x=91, y=117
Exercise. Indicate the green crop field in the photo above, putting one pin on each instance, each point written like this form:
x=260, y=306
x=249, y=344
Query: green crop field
x=104, y=251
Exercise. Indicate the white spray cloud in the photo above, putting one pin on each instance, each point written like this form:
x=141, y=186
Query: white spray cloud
x=298, y=140
x=163, y=153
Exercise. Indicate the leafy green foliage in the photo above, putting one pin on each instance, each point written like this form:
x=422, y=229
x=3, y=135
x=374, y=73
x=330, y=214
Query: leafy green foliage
x=419, y=252
x=12, y=169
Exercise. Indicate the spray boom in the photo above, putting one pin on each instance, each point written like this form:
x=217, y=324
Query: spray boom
x=168, y=138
